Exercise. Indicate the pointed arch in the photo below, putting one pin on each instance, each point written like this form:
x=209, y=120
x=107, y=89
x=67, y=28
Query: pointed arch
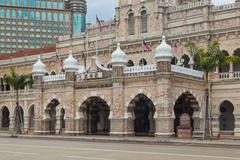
x=142, y=110
x=226, y=118
x=5, y=120
x=19, y=117
x=185, y=107
x=185, y=59
x=226, y=67
x=50, y=115
x=236, y=66
x=142, y=62
x=144, y=21
x=131, y=23
x=130, y=63
x=96, y=113
x=31, y=117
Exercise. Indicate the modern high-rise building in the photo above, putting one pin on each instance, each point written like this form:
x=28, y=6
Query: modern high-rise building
x=36, y=23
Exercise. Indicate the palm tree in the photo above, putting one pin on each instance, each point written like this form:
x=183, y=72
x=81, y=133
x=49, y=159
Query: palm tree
x=207, y=61
x=18, y=82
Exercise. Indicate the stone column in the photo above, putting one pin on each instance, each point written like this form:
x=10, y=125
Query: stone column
x=45, y=126
x=237, y=126
x=39, y=124
x=164, y=116
x=12, y=128
x=197, y=123
x=117, y=121
x=26, y=124
x=58, y=121
x=80, y=123
x=215, y=124
x=69, y=103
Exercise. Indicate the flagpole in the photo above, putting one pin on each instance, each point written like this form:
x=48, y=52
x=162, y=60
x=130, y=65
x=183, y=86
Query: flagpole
x=96, y=42
x=142, y=54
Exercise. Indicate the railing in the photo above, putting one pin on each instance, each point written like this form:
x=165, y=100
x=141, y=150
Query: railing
x=224, y=7
x=138, y=69
x=190, y=5
x=58, y=77
x=229, y=75
x=224, y=75
x=186, y=71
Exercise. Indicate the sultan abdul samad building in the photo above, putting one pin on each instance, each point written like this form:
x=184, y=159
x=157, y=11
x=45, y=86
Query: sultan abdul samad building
x=105, y=83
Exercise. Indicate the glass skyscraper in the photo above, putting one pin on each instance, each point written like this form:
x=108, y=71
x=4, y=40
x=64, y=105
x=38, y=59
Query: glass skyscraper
x=35, y=23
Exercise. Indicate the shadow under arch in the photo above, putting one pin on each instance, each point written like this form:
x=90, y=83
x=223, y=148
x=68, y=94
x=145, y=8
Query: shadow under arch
x=50, y=116
x=96, y=113
x=142, y=109
x=19, y=118
x=226, y=118
x=185, y=105
x=31, y=117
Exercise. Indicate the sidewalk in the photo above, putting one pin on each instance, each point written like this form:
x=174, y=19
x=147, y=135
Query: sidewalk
x=143, y=140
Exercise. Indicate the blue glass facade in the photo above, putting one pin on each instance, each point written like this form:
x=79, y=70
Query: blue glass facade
x=78, y=23
x=32, y=23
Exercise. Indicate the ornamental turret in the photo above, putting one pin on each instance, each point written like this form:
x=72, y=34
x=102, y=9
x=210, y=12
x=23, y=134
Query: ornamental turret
x=163, y=56
x=38, y=71
x=119, y=61
x=70, y=66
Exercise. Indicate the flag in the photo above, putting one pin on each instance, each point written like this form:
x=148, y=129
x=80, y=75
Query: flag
x=175, y=48
x=99, y=24
x=145, y=46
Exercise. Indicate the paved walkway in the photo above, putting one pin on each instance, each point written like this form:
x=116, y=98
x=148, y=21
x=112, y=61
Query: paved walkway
x=143, y=140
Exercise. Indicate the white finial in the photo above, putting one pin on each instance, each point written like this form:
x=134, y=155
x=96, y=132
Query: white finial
x=164, y=38
x=119, y=58
x=163, y=51
x=70, y=64
x=39, y=68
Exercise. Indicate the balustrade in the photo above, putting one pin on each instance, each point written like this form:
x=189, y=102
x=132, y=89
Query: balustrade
x=58, y=77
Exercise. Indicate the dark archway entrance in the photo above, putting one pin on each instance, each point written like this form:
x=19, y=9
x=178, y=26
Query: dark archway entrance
x=97, y=112
x=51, y=111
x=185, y=106
x=5, y=118
x=19, y=120
x=143, y=110
x=227, y=119
x=31, y=117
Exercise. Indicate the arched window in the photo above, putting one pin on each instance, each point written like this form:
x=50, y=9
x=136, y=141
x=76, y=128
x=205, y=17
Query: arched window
x=131, y=24
x=53, y=73
x=225, y=67
x=185, y=60
x=174, y=61
x=142, y=62
x=130, y=63
x=144, y=21
x=236, y=66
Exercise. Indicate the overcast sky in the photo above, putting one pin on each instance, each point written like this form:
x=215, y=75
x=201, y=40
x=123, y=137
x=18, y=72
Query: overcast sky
x=105, y=8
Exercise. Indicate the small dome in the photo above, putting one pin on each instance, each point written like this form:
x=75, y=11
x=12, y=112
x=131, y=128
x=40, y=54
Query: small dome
x=119, y=58
x=70, y=64
x=81, y=69
x=39, y=68
x=163, y=51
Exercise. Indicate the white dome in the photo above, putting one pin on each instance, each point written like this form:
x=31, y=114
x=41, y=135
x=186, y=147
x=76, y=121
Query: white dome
x=119, y=58
x=70, y=64
x=39, y=68
x=81, y=69
x=163, y=51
